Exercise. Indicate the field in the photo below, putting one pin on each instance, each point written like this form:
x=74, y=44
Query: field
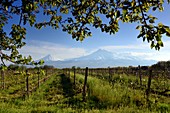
x=65, y=91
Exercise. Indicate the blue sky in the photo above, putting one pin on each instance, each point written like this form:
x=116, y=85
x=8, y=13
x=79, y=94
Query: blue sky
x=61, y=46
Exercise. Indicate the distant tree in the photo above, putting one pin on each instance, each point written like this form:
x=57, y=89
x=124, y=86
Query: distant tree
x=73, y=67
x=13, y=67
x=144, y=67
x=79, y=16
x=48, y=67
x=22, y=67
x=168, y=64
x=161, y=65
x=16, y=67
x=78, y=68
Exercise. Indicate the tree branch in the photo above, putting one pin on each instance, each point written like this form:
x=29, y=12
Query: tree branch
x=87, y=15
x=143, y=16
x=20, y=20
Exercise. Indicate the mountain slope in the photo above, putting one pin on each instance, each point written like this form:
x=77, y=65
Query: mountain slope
x=97, y=55
x=47, y=58
x=100, y=58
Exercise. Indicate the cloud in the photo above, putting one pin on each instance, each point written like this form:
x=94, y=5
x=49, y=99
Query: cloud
x=142, y=50
x=39, y=49
x=123, y=47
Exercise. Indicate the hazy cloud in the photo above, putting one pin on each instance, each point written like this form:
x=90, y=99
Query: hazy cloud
x=39, y=49
x=143, y=51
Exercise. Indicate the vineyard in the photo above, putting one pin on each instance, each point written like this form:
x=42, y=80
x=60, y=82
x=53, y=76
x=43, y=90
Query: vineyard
x=110, y=90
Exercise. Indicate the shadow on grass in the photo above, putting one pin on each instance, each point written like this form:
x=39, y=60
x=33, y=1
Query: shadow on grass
x=72, y=93
x=75, y=101
x=67, y=86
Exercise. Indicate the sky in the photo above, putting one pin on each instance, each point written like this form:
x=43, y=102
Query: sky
x=61, y=46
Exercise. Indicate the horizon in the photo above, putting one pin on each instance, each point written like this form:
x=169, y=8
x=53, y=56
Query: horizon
x=99, y=59
x=91, y=53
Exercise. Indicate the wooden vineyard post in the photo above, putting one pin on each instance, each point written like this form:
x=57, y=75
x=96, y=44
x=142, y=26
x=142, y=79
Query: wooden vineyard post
x=74, y=77
x=66, y=71
x=45, y=78
x=85, y=83
x=62, y=71
x=113, y=72
x=126, y=71
x=69, y=73
x=46, y=72
x=140, y=76
x=109, y=73
x=149, y=84
x=27, y=83
x=123, y=72
x=91, y=72
x=38, y=77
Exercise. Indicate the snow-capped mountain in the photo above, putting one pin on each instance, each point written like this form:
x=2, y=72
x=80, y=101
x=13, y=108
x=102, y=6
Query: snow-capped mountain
x=48, y=58
x=106, y=55
x=99, y=58
x=97, y=55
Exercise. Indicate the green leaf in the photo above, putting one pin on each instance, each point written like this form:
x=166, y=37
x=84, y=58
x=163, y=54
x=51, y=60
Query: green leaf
x=42, y=72
x=160, y=43
x=138, y=27
x=64, y=9
x=167, y=29
x=154, y=8
x=152, y=44
x=141, y=34
x=161, y=8
x=168, y=1
x=4, y=68
x=160, y=25
x=151, y=21
x=117, y=14
x=81, y=38
x=41, y=62
x=168, y=34
x=124, y=12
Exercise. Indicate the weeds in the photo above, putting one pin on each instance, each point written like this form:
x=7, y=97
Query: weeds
x=58, y=94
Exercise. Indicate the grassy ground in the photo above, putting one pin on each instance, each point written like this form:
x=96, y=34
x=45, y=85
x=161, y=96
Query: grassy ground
x=60, y=95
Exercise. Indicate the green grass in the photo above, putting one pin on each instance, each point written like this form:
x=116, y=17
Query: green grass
x=121, y=93
x=59, y=94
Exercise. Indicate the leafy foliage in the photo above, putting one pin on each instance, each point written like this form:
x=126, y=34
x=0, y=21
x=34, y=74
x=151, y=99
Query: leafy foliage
x=161, y=65
x=75, y=17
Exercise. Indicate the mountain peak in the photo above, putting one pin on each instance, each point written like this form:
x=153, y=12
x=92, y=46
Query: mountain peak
x=97, y=55
x=48, y=58
x=99, y=58
x=101, y=51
